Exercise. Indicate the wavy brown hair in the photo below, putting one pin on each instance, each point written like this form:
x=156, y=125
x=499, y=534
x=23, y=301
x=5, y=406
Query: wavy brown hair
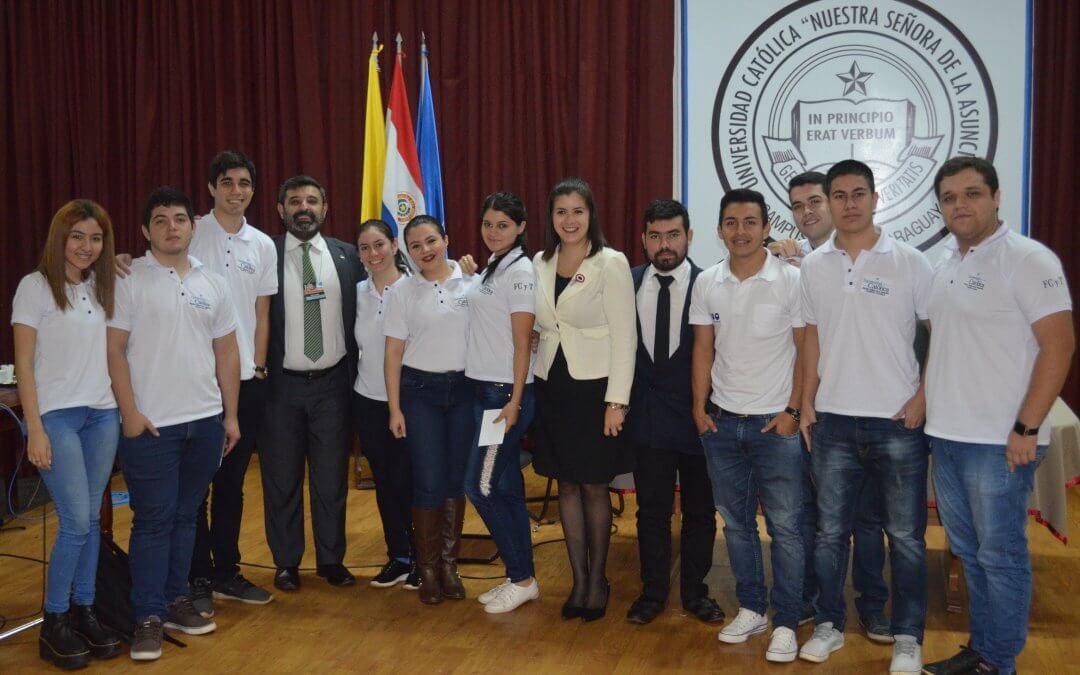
x=52, y=265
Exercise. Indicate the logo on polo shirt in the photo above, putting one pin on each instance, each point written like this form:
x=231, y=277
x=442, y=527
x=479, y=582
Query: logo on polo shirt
x=1055, y=282
x=487, y=290
x=461, y=303
x=891, y=83
x=975, y=283
x=523, y=286
x=876, y=286
x=245, y=266
x=197, y=301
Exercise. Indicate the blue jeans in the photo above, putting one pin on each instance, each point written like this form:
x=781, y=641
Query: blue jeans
x=438, y=409
x=746, y=466
x=983, y=507
x=83, y=444
x=494, y=483
x=868, y=560
x=167, y=477
x=848, y=452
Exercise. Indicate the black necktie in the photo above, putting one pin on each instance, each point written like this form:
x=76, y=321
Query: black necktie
x=663, y=320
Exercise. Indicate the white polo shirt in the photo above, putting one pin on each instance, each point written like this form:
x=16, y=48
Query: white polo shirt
x=172, y=324
x=248, y=261
x=333, y=325
x=489, y=356
x=752, y=322
x=982, y=347
x=370, y=315
x=865, y=313
x=433, y=320
x=70, y=365
x=646, y=306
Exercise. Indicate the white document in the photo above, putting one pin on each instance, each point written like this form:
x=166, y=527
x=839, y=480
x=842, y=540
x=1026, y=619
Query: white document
x=491, y=432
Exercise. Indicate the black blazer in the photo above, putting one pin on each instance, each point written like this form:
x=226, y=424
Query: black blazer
x=350, y=272
x=661, y=400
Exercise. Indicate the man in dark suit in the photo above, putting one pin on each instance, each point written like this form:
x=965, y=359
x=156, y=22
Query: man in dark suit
x=312, y=363
x=661, y=426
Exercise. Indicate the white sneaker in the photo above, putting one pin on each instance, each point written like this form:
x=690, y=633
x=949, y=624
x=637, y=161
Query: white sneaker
x=783, y=648
x=906, y=656
x=746, y=623
x=824, y=642
x=489, y=595
x=512, y=597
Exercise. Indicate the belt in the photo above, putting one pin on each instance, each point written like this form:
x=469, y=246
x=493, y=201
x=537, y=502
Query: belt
x=311, y=374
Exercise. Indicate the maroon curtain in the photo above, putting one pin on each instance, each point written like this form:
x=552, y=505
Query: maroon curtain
x=1056, y=146
x=108, y=100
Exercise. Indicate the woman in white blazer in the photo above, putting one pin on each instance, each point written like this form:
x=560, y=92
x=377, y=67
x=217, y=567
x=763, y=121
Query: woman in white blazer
x=585, y=313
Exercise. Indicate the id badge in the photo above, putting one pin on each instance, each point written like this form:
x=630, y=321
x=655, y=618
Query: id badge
x=314, y=292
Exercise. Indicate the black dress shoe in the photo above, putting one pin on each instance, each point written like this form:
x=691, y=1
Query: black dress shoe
x=287, y=579
x=571, y=611
x=643, y=611
x=594, y=613
x=705, y=609
x=336, y=575
x=960, y=663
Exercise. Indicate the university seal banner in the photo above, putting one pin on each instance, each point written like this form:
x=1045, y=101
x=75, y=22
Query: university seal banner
x=773, y=89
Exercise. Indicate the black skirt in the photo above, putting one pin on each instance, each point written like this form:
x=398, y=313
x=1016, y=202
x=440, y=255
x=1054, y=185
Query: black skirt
x=569, y=435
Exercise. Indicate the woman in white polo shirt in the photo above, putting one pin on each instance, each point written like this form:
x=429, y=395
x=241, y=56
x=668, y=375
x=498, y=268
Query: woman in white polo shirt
x=72, y=424
x=430, y=400
x=502, y=310
x=388, y=456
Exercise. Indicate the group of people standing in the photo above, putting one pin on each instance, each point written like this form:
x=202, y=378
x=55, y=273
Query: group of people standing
x=786, y=375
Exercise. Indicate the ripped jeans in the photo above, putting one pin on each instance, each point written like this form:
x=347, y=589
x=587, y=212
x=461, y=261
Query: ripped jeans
x=494, y=483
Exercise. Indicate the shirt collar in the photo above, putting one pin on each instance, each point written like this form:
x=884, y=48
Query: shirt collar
x=154, y=262
x=317, y=242
x=768, y=271
x=455, y=275
x=681, y=273
x=884, y=243
x=210, y=219
x=953, y=246
x=511, y=256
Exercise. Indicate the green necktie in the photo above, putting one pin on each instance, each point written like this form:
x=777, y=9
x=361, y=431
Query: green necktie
x=313, y=344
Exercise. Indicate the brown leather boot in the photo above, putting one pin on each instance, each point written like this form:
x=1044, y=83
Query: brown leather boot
x=453, y=520
x=427, y=531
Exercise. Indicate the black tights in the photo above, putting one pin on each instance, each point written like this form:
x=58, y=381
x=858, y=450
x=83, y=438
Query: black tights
x=585, y=512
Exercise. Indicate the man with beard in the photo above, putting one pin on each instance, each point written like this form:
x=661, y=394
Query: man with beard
x=661, y=427
x=311, y=361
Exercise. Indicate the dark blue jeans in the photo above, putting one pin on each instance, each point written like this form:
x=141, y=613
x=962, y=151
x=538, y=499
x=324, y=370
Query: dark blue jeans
x=494, y=483
x=167, y=478
x=983, y=507
x=847, y=452
x=439, y=429
x=868, y=559
x=745, y=466
x=83, y=442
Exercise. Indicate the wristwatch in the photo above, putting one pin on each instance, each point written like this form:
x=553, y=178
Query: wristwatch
x=1022, y=429
x=794, y=412
x=261, y=370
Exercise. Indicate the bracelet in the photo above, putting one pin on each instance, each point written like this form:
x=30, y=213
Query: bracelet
x=618, y=406
x=794, y=412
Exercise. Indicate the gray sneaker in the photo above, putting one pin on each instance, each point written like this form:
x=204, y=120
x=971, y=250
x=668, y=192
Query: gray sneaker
x=146, y=645
x=184, y=618
x=201, y=598
x=239, y=588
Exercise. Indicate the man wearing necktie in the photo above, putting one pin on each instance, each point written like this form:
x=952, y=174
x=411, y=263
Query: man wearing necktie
x=311, y=362
x=661, y=427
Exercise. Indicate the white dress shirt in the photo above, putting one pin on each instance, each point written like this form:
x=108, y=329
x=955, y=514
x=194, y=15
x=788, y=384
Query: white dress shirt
x=333, y=328
x=248, y=261
x=646, y=305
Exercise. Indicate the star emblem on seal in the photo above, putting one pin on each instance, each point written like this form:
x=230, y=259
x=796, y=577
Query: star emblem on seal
x=854, y=79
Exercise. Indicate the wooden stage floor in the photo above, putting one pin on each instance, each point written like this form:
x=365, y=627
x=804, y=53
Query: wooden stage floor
x=361, y=629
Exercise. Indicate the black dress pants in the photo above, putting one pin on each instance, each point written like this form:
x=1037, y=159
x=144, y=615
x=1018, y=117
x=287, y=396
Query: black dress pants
x=654, y=479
